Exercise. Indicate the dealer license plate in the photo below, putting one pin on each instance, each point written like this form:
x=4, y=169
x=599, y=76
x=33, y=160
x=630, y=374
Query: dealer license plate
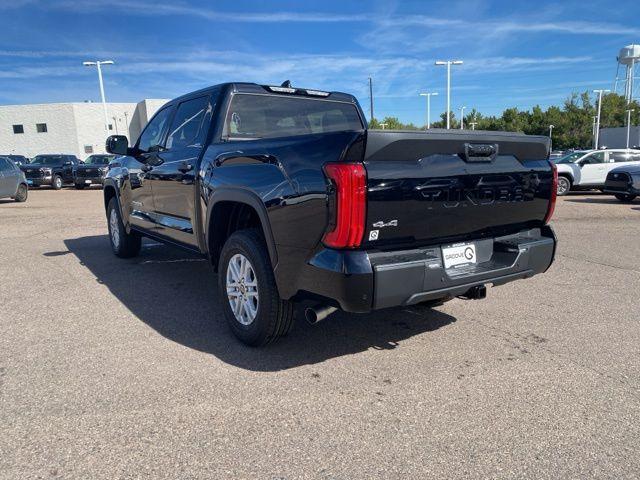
x=461, y=254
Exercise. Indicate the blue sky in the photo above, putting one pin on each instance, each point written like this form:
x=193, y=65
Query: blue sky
x=515, y=53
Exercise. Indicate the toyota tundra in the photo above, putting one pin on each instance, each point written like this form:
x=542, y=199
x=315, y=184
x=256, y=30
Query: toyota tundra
x=291, y=197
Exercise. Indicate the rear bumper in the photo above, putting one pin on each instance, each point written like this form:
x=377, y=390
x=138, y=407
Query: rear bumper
x=360, y=281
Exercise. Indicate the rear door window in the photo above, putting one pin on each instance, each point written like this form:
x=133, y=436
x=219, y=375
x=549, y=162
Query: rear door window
x=190, y=124
x=619, y=157
x=5, y=166
x=270, y=116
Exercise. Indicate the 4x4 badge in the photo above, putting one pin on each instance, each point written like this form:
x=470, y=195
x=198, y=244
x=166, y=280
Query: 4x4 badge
x=392, y=223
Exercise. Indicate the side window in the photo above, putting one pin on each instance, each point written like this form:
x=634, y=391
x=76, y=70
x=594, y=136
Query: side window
x=190, y=124
x=594, y=158
x=622, y=157
x=5, y=166
x=155, y=130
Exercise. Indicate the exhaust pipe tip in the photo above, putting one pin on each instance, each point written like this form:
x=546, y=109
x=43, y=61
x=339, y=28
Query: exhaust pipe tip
x=314, y=315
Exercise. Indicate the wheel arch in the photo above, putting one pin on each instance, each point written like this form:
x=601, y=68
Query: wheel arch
x=231, y=209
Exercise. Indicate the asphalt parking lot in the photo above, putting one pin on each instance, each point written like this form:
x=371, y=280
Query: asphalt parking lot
x=116, y=368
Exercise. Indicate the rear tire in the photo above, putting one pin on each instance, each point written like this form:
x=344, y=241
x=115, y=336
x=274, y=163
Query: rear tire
x=564, y=185
x=123, y=244
x=625, y=197
x=248, y=293
x=56, y=182
x=22, y=193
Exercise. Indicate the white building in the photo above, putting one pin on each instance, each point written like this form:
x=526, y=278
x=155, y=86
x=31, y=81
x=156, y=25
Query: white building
x=70, y=128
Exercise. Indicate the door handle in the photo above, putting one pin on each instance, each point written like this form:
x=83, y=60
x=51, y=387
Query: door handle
x=185, y=167
x=146, y=168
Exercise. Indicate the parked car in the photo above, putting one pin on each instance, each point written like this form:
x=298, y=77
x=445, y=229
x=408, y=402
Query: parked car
x=291, y=197
x=589, y=170
x=51, y=169
x=17, y=159
x=12, y=181
x=624, y=182
x=91, y=171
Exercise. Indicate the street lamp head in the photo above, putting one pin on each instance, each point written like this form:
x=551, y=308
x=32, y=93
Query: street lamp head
x=434, y=93
x=457, y=62
x=107, y=62
x=440, y=62
x=89, y=64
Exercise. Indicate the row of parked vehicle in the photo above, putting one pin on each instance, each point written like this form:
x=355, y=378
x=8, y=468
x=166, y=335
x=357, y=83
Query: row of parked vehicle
x=613, y=171
x=18, y=173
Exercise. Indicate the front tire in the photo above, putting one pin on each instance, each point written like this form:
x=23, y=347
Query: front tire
x=564, y=185
x=123, y=244
x=248, y=293
x=22, y=193
x=625, y=197
x=56, y=182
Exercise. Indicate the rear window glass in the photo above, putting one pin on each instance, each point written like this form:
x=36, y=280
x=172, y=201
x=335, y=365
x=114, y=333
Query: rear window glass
x=624, y=156
x=263, y=116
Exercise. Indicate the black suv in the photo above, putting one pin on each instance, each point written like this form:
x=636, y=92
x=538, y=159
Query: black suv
x=91, y=171
x=51, y=169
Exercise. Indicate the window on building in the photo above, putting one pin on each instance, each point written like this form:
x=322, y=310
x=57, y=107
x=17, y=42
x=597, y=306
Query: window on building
x=110, y=126
x=18, y=129
x=41, y=127
x=88, y=149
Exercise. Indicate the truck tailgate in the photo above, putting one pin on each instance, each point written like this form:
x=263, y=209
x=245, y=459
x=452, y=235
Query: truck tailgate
x=445, y=186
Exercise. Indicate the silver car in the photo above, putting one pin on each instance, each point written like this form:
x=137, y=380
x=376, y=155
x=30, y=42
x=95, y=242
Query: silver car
x=13, y=184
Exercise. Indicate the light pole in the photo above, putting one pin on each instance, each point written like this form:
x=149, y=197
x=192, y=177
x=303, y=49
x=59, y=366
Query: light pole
x=628, y=126
x=551, y=127
x=597, y=135
x=383, y=125
x=448, y=63
x=428, y=95
x=126, y=123
x=473, y=125
x=462, y=117
x=115, y=122
x=99, y=64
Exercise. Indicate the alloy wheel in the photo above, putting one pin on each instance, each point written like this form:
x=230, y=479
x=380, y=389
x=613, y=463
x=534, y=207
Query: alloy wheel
x=114, y=228
x=242, y=289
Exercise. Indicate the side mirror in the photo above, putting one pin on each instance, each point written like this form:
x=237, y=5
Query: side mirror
x=117, y=144
x=68, y=163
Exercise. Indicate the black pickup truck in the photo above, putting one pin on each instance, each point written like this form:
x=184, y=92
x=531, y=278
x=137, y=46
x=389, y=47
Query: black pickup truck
x=292, y=198
x=54, y=170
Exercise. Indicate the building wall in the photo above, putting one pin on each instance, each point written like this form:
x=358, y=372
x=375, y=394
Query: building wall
x=59, y=138
x=617, y=137
x=72, y=128
x=90, y=130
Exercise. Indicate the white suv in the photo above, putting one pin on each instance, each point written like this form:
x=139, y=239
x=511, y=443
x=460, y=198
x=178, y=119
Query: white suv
x=584, y=170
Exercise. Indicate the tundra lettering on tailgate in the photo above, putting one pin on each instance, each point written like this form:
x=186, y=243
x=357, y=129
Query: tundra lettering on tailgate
x=484, y=193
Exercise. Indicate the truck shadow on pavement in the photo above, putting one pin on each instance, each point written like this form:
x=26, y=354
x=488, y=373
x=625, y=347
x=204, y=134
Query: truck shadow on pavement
x=175, y=293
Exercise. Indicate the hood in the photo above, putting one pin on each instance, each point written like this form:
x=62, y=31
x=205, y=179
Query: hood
x=635, y=169
x=30, y=166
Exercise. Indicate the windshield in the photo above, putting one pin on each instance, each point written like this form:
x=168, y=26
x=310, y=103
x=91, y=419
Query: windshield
x=99, y=159
x=48, y=160
x=571, y=158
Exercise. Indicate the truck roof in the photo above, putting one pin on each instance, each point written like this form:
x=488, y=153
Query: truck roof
x=247, y=87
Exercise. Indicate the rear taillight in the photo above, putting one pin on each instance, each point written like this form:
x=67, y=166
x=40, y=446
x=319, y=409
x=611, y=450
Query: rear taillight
x=350, y=182
x=554, y=194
